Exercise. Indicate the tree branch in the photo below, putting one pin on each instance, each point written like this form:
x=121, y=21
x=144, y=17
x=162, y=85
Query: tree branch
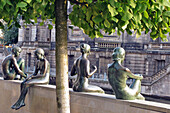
x=79, y=3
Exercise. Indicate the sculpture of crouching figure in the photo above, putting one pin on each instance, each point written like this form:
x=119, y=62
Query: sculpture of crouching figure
x=81, y=68
x=117, y=75
x=40, y=76
x=12, y=65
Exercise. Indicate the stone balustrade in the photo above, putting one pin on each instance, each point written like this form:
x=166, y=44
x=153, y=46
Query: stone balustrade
x=149, y=80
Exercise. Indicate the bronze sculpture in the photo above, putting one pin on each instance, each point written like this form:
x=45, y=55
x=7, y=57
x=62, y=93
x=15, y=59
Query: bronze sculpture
x=43, y=67
x=12, y=65
x=81, y=68
x=117, y=75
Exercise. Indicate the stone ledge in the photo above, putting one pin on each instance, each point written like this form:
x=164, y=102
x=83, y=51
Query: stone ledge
x=80, y=102
x=149, y=106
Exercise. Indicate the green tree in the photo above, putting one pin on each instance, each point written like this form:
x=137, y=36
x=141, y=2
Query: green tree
x=94, y=15
x=91, y=16
x=121, y=15
x=46, y=9
x=10, y=36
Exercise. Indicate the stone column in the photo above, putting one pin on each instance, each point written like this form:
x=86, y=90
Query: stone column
x=33, y=33
x=21, y=34
x=53, y=34
x=146, y=67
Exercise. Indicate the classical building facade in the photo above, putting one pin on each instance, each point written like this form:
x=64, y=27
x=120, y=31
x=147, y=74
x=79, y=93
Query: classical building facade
x=35, y=36
x=143, y=55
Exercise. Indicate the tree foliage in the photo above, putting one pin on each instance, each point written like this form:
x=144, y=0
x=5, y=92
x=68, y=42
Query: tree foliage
x=110, y=15
x=10, y=35
x=29, y=9
x=95, y=15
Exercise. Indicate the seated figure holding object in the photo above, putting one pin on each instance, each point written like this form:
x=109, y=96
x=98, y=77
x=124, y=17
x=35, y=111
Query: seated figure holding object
x=81, y=68
x=12, y=65
x=117, y=75
x=40, y=76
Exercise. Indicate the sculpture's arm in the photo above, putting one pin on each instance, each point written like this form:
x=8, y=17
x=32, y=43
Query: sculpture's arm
x=17, y=67
x=44, y=71
x=46, y=67
x=22, y=65
x=131, y=75
x=36, y=69
x=88, y=69
x=73, y=69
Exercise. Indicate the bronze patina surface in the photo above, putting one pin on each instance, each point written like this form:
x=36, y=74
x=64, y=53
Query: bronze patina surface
x=117, y=75
x=12, y=65
x=40, y=76
x=81, y=68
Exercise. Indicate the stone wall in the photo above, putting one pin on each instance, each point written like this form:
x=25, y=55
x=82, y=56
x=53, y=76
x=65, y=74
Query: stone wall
x=136, y=62
x=42, y=99
x=159, y=87
x=154, y=59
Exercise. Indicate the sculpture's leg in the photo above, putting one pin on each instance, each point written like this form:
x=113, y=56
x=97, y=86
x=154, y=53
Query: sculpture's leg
x=140, y=97
x=92, y=88
x=20, y=103
x=23, y=85
x=21, y=65
x=10, y=75
x=136, y=85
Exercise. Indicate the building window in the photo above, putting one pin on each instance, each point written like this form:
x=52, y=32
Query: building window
x=48, y=35
x=27, y=34
x=160, y=64
x=43, y=35
x=48, y=39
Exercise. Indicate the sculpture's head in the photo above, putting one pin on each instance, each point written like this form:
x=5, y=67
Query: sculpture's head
x=118, y=54
x=39, y=53
x=84, y=48
x=16, y=51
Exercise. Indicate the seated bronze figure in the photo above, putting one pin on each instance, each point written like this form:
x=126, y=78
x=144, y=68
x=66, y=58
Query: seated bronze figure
x=40, y=76
x=13, y=66
x=117, y=75
x=81, y=68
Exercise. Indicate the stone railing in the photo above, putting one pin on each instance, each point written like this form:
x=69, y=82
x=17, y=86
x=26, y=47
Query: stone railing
x=107, y=45
x=44, y=44
x=159, y=46
x=149, y=80
x=42, y=99
x=36, y=44
x=28, y=43
x=133, y=46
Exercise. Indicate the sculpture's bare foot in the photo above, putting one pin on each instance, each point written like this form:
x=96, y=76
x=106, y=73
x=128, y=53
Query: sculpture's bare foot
x=18, y=105
x=140, y=97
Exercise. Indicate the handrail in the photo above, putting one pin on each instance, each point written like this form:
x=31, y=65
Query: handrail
x=156, y=76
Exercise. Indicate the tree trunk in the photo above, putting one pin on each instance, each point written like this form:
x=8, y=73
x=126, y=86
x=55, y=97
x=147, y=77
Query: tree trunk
x=62, y=90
